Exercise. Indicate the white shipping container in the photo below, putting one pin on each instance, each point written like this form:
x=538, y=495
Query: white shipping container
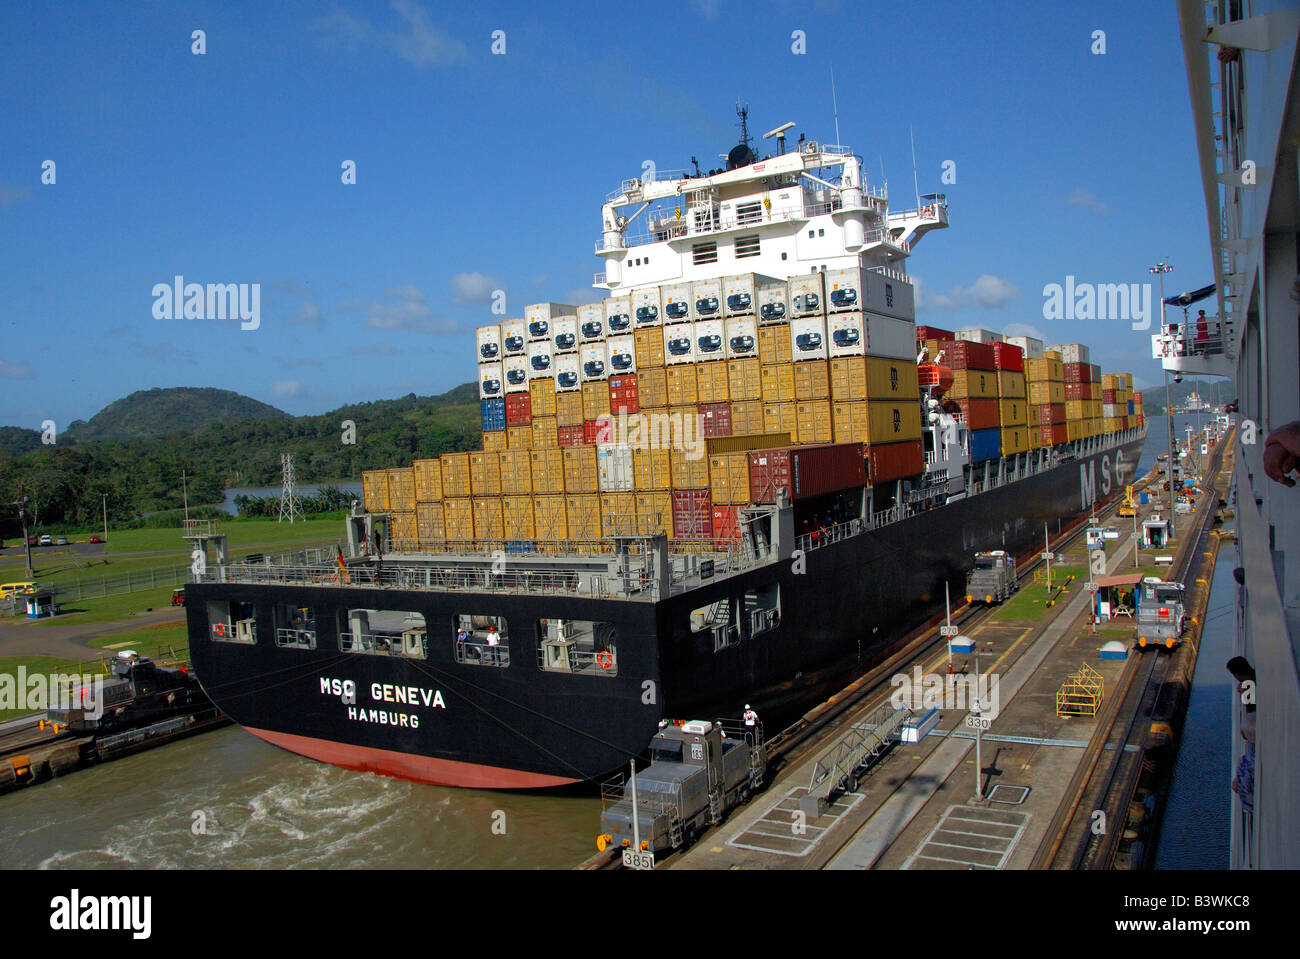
x=618, y=313
x=1072, y=352
x=539, y=317
x=709, y=340
x=679, y=343
x=848, y=334
x=565, y=338
x=1033, y=348
x=489, y=381
x=1113, y=409
x=595, y=362
x=740, y=292
x=889, y=295
x=890, y=337
x=621, y=353
x=591, y=325
x=979, y=336
x=489, y=343
x=614, y=466
x=566, y=373
x=773, y=303
x=808, y=338
x=846, y=289
x=516, y=368
x=706, y=295
x=646, y=307
x=514, y=339
x=742, y=338
x=541, y=354
x=807, y=295
x=676, y=299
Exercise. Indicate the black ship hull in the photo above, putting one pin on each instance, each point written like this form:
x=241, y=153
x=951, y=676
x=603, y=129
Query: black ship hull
x=446, y=722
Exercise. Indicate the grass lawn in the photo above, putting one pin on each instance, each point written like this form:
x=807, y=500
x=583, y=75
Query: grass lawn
x=9, y=665
x=108, y=608
x=1029, y=603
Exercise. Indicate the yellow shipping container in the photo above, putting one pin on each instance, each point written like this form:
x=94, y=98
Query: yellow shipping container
x=1076, y=409
x=429, y=521
x=654, y=514
x=1014, y=412
x=855, y=378
x=1052, y=355
x=402, y=531
x=738, y=442
x=455, y=474
x=652, y=469
x=485, y=474
x=779, y=418
x=1015, y=440
x=729, y=478
x=518, y=517
x=1042, y=392
x=1112, y=424
x=550, y=518
x=877, y=421
x=747, y=417
x=489, y=520
x=618, y=514
x=778, y=383
x=649, y=349
x=568, y=409
x=584, y=516
x=401, y=489
x=374, y=490
x=545, y=433
x=543, y=397
x=1038, y=438
x=493, y=442
x=1074, y=429
x=711, y=382
x=428, y=481
x=812, y=380
x=458, y=516
x=516, y=472
x=651, y=386
x=744, y=380
x=689, y=472
x=1011, y=385
x=691, y=424
x=548, y=470
x=1043, y=369
x=682, y=387
x=774, y=344
x=595, y=399
x=974, y=384
x=517, y=438
x=813, y=422
x=580, y=472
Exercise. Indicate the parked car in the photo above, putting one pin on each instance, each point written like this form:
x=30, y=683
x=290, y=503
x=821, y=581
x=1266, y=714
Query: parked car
x=95, y=539
x=33, y=541
x=46, y=540
x=61, y=541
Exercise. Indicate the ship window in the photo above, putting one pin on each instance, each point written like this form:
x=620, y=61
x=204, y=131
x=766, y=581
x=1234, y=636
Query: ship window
x=383, y=632
x=821, y=232
x=784, y=255
x=762, y=609
x=482, y=640
x=719, y=619
x=810, y=234
x=705, y=252
x=749, y=213
x=295, y=626
x=577, y=646
x=232, y=622
x=746, y=246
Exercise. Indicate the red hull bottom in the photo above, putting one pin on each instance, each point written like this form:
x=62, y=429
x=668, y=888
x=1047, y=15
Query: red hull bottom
x=420, y=769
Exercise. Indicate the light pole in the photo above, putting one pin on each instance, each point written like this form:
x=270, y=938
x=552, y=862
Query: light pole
x=1161, y=269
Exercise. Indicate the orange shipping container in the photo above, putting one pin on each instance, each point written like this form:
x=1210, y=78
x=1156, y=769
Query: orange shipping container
x=517, y=438
x=402, y=530
x=584, y=516
x=458, y=515
x=1043, y=369
x=778, y=383
x=429, y=522
x=813, y=422
x=595, y=399
x=652, y=469
x=774, y=344
x=779, y=418
x=711, y=383
x=812, y=380
x=744, y=381
x=652, y=385
x=546, y=434
x=485, y=474
x=568, y=409
x=1011, y=385
x=428, y=481
x=974, y=384
x=488, y=518
x=455, y=474
x=618, y=514
x=493, y=442
x=550, y=518
x=682, y=387
x=518, y=517
x=548, y=470
x=543, y=397
x=580, y=474
x=689, y=471
x=649, y=343
x=516, y=472
x=401, y=489
x=1015, y=440
x=654, y=514
x=374, y=490
x=1013, y=412
x=1041, y=393
x=729, y=478
x=747, y=417
x=876, y=422
x=856, y=378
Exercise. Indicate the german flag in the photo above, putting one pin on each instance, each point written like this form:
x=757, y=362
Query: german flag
x=343, y=567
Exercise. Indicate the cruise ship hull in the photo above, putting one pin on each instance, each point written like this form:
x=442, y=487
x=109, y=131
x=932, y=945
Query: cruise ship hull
x=439, y=721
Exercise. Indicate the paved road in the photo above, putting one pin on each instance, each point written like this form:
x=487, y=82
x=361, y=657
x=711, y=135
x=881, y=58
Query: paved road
x=45, y=552
x=72, y=641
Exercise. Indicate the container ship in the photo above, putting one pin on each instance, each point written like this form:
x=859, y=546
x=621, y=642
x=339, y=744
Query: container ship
x=725, y=483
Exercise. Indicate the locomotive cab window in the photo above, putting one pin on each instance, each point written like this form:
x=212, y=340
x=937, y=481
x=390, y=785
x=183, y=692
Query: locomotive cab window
x=232, y=622
x=577, y=646
x=383, y=632
x=482, y=640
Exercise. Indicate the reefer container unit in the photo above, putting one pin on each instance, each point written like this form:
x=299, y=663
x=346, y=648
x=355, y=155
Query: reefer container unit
x=677, y=306
x=805, y=471
x=1033, y=349
x=568, y=375
x=706, y=296
x=595, y=363
x=493, y=414
x=489, y=343
x=540, y=356
x=564, y=335
x=740, y=292
x=646, y=307
x=979, y=336
x=808, y=338
x=1071, y=352
x=540, y=316
x=807, y=295
x=621, y=353
x=679, y=343
x=514, y=338
x=614, y=468
x=516, y=371
x=591, y=323
x=710, y=340
x=489, y=381
x=742, y=338
x=618, y=313
x=848, y=334
x=773, y=303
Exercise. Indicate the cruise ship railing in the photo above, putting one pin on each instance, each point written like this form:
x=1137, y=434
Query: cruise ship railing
x=552, y=580
x=1184, y=340
x=827, y=535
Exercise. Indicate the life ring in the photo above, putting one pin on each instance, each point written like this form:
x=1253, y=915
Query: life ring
x=605, y=659
x=219, y=629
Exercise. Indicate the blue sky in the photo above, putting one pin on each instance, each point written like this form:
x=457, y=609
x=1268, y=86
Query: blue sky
x=478, y=171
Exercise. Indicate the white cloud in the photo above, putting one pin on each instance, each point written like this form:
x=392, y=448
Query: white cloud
x=582, y=296
x=708, y=9
x=987, y=291
x=418, y=41
x=15, y=371
x=286, y=389
x=407, y=310
x=308, y=315
x=473, y=287
x=1024, y=329
x=1084, y=198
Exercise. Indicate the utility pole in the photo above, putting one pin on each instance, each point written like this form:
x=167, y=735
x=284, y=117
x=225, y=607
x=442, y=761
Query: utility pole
x=185, y=495
x=979, y=724
x=1047, y=557
x=21, y=503
x=105, y=505
x=1161, y=269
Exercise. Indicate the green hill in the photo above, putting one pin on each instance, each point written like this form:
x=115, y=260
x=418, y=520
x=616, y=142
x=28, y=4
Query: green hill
x=157, y=412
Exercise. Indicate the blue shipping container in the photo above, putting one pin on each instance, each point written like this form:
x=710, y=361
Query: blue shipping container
x=494, y=414
x=1131, y=408
x=985, y=445
x=519, y=546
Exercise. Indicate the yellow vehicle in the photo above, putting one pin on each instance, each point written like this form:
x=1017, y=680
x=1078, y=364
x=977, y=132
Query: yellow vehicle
x=9, y=590
x=1128, y=507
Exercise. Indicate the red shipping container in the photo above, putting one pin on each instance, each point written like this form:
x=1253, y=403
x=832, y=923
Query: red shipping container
x=692, y=514
x=1095, y=370
x=1058, y=433
x=1050, y=414
x=1076, y=372
x=933, y=333
x=571, y=435
x=967, y=355
x=715, y=419
x=623, y=394
x=1137, y=398
x=726, y=522
x=1008, y=357
x=597, y=431
x=805, y=471
x=891, y=461
x=979, y=414
x=519, y=409
x=1078, y=391
x=1108, y=396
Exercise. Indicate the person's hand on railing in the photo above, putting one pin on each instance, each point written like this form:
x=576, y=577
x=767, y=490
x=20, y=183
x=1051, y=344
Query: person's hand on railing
x=1282, y=453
